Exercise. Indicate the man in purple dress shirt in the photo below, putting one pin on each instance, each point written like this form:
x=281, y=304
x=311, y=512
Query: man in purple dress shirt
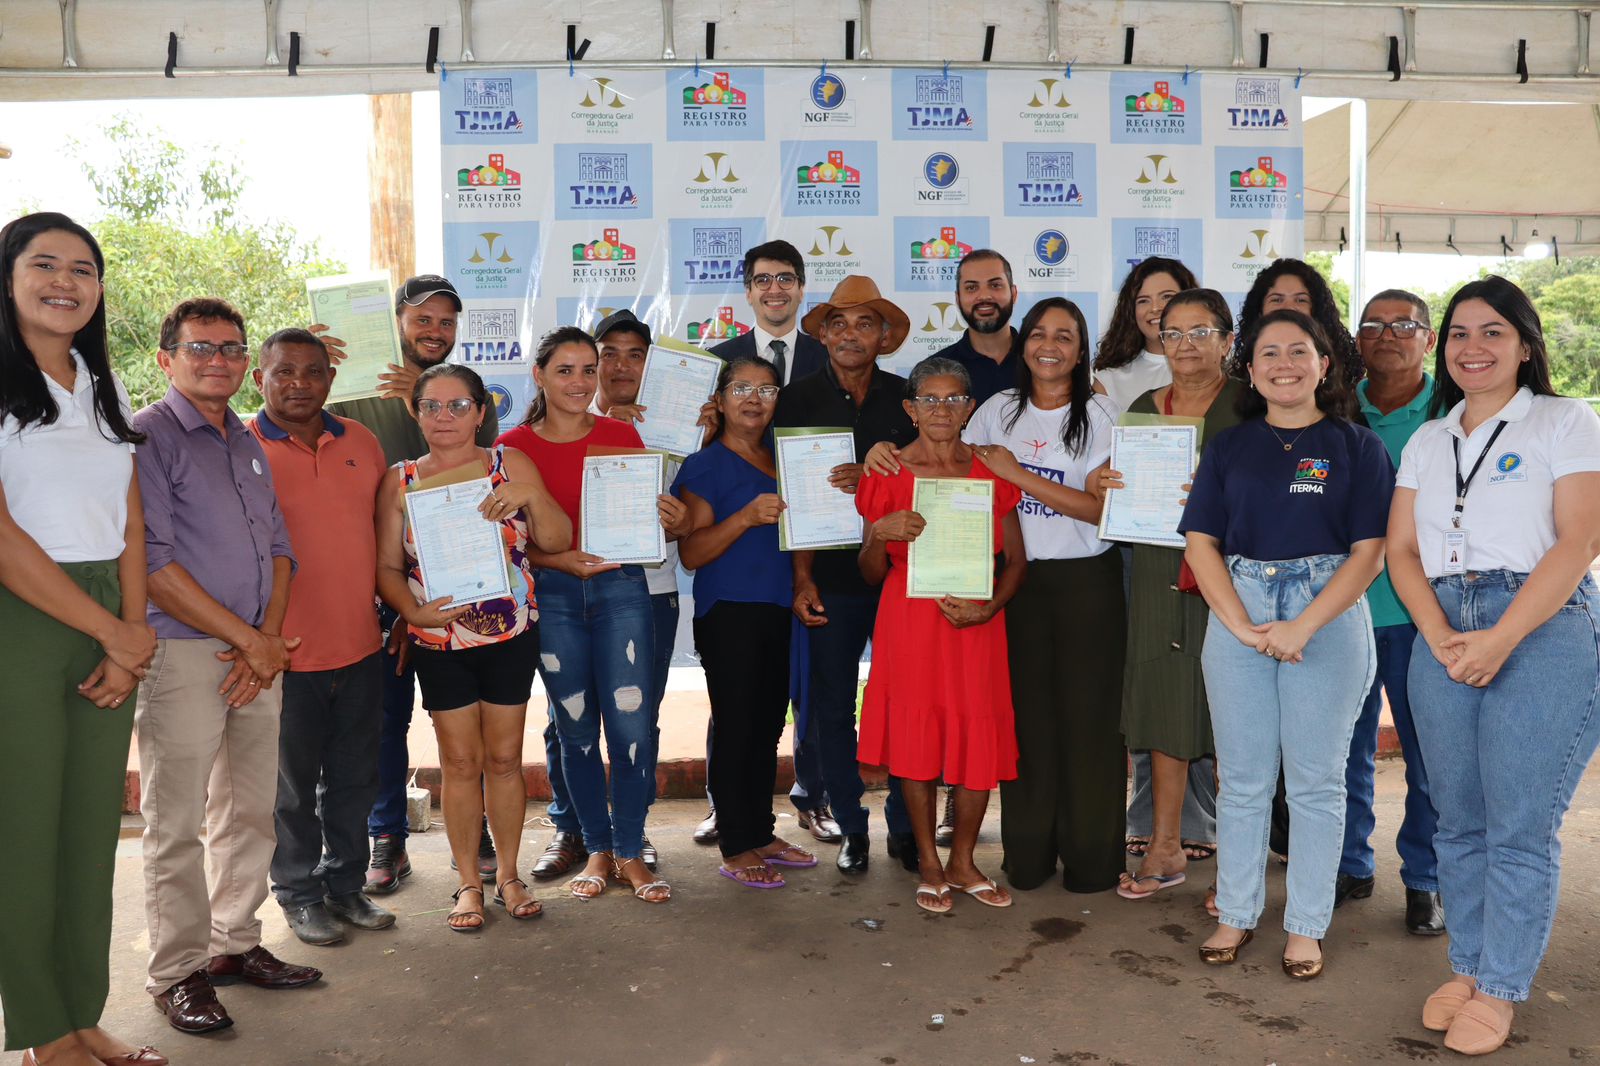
x=207, y=719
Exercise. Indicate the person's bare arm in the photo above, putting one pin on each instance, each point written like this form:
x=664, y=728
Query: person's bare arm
x=1410, y=581
x=963, y=613
x=708, y=538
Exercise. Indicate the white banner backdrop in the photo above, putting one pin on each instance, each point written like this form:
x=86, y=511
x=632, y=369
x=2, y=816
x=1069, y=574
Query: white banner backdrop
x=570, y=194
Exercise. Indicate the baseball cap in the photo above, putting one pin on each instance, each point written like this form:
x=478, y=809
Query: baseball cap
x=623, y=319
x=417, y=289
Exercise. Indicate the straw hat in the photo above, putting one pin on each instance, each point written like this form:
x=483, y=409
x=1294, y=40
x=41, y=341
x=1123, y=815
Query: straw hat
x=858, y=290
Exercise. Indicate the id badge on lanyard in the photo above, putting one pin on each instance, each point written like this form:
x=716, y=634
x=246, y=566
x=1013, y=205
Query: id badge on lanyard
x=1455, y=538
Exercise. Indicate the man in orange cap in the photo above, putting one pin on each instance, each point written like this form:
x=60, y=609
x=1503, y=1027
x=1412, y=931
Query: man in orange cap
x=837, y=607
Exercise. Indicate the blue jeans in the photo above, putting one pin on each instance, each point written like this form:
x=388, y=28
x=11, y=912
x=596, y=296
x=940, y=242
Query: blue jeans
x=1418, y=869
x=597, y=661
x=1504, y=761
x=1264, y=712
x=388, y=817
x=825, y=758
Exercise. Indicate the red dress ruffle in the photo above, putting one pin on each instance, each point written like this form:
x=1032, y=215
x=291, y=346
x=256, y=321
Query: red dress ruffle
x=938, y=699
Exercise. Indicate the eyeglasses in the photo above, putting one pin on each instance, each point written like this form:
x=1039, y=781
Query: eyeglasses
x=739, y=390
x=933, y=403
x=1402, y=330
x=460, y=407
x=1171, y=338
x=203, y=351
x=785, y=280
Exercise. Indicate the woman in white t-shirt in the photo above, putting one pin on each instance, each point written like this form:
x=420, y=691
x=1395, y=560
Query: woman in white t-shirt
x=1066, y=628
x=1130, y=360
x=72, y=605
x=1496, y=520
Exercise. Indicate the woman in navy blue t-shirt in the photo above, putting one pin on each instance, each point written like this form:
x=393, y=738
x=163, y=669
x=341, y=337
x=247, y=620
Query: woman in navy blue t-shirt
x=743, y=590
x=1285, y=527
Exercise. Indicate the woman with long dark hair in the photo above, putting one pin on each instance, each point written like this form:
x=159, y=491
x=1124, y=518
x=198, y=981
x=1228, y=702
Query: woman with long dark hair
x=1295, y=285
x=1130, y=360
x=596, y=627
x=1495, y=523
x=72, y=605
x=1285, y=526
x=1066, y=629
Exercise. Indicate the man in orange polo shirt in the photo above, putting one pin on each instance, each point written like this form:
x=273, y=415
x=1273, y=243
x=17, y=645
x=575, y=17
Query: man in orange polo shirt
x=326, y=470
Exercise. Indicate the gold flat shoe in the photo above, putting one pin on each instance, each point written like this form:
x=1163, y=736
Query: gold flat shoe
x=1304, y=969
x=1225, y=956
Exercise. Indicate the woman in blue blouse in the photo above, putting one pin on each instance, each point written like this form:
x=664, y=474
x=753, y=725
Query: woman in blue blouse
x=743, y=590
x=1285, y=527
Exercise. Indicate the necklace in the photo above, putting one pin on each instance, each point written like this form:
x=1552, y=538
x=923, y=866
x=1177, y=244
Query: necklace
x=1288, y=445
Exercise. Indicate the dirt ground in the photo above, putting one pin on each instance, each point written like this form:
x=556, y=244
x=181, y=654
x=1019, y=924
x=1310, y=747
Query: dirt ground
x=846, y=970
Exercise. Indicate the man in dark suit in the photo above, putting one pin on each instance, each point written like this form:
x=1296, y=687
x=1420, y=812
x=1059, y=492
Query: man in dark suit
x=775, y=285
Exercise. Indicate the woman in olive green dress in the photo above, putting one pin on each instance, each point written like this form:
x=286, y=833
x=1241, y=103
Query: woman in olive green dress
x=1164, y=707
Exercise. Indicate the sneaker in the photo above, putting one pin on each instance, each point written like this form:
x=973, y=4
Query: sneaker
x=488, y=861
x=389, y=865
x=946, y=832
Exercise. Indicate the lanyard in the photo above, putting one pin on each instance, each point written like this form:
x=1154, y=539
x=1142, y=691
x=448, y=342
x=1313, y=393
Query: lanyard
x=1463, y=485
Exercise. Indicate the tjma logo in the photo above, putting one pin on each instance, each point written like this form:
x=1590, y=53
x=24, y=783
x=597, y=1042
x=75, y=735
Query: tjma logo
x=603, y=181
x=487, y=107
x=1049, y=180
x=490, y=337
x=717, y=257
x=1255, y=105
x=939, y=100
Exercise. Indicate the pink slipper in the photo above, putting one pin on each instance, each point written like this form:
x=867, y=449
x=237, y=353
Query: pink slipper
x=1129, y=888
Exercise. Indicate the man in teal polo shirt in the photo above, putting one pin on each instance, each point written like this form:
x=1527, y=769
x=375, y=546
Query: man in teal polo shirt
x=1394, y=339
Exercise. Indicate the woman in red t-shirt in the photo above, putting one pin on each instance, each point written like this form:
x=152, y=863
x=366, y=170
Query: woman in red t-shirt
x=595, y=627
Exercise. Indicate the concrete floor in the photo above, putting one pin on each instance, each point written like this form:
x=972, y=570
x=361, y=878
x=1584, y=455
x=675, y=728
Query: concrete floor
x=838, y=970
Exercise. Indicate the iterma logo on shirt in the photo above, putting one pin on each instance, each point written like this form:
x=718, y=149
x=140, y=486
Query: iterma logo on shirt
x=1309, y=476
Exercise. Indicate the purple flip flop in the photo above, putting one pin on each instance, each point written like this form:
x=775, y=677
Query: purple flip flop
x=773, y=860
x=733, y=875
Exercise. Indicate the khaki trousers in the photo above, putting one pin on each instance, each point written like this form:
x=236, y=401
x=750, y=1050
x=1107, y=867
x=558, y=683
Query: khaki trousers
x=203, y=766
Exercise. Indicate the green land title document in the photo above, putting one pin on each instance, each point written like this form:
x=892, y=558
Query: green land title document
x=954, y=555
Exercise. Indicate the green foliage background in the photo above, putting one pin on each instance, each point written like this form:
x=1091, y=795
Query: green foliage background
x=170, y=229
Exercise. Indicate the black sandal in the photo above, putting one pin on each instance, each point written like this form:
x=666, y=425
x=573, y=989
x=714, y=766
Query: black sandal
x=1136, y=846
x=456, y=897
x=1199, y=851
x=520, y=911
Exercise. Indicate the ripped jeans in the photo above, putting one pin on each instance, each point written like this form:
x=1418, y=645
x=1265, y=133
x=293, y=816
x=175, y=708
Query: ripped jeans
x=597, y=656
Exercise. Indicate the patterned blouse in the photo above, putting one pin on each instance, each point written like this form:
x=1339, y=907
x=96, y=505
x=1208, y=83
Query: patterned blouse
x=490, y=621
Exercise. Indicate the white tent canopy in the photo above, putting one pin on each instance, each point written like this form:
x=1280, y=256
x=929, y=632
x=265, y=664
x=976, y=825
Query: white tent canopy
x=1444, y=177
x=1443, y=49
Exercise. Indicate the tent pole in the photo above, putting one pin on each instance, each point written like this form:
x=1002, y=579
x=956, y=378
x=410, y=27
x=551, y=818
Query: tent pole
x=1358, y=209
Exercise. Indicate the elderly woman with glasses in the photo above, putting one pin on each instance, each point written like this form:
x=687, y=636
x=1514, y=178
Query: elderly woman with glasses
x=743, y=590
x=938, y=701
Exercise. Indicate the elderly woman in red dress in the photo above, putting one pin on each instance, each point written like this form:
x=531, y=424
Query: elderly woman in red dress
x=938, y=701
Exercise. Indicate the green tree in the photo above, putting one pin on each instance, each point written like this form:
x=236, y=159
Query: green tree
x=169, y=232
x=1322, y=263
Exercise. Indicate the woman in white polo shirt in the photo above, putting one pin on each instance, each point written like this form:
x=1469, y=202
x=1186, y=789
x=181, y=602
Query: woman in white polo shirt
x=72, y=599
x=1497, y=508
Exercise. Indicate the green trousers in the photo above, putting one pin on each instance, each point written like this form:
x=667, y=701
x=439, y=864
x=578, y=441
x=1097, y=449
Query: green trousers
x=60, y=808
x=1066, y=632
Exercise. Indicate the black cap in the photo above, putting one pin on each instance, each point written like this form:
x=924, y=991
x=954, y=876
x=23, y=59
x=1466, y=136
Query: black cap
x=625, y=320
x=417, y=289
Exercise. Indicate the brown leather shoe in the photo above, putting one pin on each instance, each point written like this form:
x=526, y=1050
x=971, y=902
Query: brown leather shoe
x=259, y=967
x=564, y=852
x=191, y=1005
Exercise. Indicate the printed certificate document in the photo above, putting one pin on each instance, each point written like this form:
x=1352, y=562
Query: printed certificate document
x=618, y=520
x=954, y=555
x=819, y=515
x=674, y=387
x=359, y=310
x=1156, y=456
x=461, y=553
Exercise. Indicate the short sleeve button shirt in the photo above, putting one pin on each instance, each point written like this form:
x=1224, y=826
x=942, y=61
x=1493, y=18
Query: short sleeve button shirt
x=1509, y=514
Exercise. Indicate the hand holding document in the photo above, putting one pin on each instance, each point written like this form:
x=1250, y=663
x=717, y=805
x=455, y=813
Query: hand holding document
x=619, y=522
x=358, y=309
x=1156, y=456
x=674, y=387
x=462, y=554
x=954, y=554
x=819, y=515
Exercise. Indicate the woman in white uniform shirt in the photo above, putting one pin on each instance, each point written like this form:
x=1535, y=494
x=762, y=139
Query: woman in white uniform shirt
x=1130, y=360
x=72, y=599
x=1066, y=628
x=1497, y=508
